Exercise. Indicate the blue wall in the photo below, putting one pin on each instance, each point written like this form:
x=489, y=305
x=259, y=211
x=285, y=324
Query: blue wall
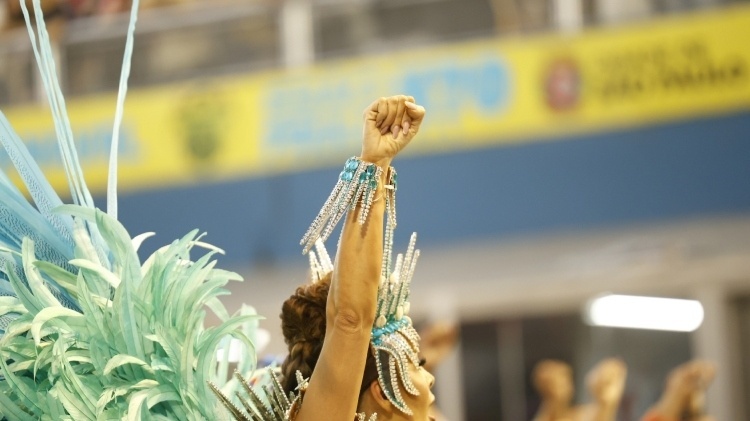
x=684, y=169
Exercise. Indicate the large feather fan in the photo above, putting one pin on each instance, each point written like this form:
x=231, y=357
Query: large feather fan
x=87, y=331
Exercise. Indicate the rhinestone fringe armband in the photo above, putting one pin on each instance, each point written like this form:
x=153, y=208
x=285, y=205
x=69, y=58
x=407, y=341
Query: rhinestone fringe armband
x=356, y=185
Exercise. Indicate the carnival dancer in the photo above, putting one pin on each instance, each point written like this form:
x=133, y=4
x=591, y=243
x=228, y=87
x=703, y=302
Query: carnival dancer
x=553, y=379
x=349, y=329
x=88, y=331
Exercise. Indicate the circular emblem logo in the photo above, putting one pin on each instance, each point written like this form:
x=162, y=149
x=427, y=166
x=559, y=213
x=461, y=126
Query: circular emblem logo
x=562, y=84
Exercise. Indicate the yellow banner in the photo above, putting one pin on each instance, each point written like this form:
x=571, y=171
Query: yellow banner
x=476, y=94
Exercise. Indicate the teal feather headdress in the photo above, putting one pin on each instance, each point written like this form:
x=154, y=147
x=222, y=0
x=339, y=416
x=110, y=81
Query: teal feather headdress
x=87, y=330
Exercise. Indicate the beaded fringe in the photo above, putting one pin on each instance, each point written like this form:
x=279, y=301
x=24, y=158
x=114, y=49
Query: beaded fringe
x=356, y=185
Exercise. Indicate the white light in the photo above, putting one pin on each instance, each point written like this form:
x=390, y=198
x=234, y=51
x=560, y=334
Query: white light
x=645, y=313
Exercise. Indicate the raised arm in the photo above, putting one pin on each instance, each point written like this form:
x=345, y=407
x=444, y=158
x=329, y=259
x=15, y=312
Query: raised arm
x=683, y=393
x=389, y=125
x=606, y=384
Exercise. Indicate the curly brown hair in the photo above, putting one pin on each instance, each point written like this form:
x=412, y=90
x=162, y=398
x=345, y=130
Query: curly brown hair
x=303, y=323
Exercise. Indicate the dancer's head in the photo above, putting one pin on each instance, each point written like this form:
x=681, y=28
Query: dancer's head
x=554, y=381
x=303, y=323
x=372, y=398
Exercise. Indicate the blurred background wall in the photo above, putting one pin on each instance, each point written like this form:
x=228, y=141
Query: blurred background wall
x=571, y=148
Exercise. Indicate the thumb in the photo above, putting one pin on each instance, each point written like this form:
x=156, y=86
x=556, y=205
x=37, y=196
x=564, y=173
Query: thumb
x=416, y=114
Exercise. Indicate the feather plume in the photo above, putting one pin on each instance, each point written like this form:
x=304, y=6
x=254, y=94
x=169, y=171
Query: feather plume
x=87, y=330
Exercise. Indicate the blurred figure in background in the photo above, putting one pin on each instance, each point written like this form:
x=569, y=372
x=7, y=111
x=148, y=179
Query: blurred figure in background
x=553, y=380
x=684, y=394
x=606, y=383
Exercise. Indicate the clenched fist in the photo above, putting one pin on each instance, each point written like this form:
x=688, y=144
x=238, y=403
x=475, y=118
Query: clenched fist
x=390, y=124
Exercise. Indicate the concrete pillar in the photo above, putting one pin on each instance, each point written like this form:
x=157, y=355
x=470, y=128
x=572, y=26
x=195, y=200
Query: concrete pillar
x=3, y=14
x=713, y=341
x=448, y=375
x=512, y=370
x=614, y=11
x=568, y=15
x=297, y=34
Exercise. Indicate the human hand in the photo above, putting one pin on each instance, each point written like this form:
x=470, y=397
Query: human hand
x=390, y=124
x=685, y=388
x=695, y=376
x=606, y=381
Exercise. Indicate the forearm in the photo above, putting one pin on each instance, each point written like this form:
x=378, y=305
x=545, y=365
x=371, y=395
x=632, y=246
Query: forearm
x=350, y=311
x=358, y=263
